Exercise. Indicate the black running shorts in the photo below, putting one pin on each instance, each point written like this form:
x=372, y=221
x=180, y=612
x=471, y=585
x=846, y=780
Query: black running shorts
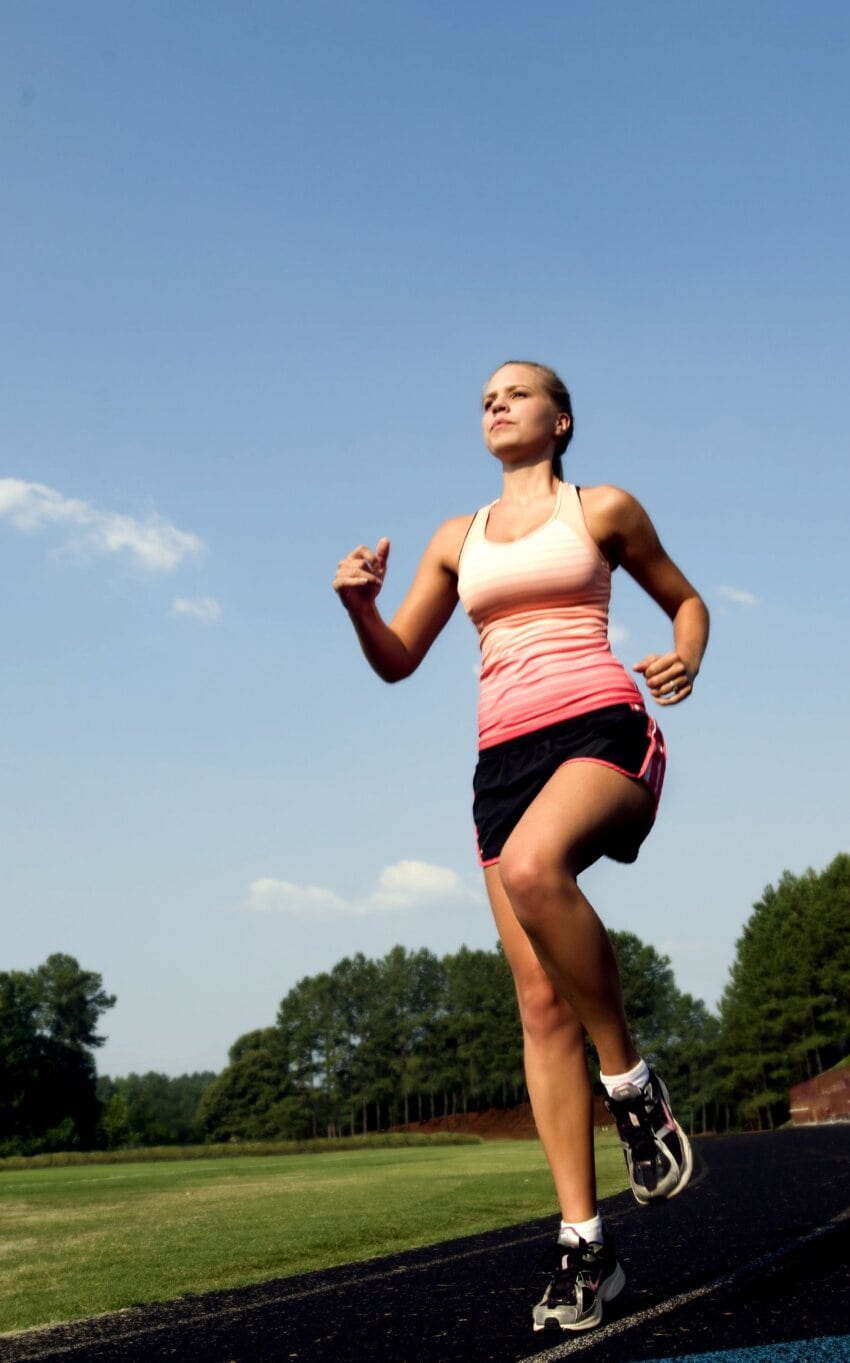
x=510, y=775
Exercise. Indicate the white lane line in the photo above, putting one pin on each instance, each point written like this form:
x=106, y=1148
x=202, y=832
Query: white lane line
x=189, y=1312
x=575, y=1343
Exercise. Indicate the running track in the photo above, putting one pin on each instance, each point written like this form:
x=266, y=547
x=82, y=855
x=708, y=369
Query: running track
x=750, y=1265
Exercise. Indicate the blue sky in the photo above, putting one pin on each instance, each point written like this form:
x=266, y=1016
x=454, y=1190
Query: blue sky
x=257, y=260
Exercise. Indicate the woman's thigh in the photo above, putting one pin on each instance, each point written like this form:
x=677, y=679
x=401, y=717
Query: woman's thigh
x=585, y=811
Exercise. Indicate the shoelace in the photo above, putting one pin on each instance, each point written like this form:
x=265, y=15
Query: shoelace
x=565, y=1276
x=639, y=1138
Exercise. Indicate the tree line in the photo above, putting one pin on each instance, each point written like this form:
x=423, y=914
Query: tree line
x=378, y=1043
x=373, y=1044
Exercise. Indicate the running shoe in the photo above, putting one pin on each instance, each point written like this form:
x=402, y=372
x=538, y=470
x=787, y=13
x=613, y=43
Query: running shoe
x=658, y=1153
x=583, y=1277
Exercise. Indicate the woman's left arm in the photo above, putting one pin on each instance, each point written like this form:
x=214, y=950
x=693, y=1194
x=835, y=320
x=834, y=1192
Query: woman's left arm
x=626, y=535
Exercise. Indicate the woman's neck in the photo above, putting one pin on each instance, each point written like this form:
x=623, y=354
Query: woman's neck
x=529, y=483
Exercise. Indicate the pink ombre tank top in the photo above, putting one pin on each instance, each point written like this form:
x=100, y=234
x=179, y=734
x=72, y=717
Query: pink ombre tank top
x=540, y=605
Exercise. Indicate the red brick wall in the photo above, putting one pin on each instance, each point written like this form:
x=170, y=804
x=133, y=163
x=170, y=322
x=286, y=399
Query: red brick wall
x=824, y=1099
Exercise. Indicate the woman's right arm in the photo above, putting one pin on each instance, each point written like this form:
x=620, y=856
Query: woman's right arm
x=396, y=649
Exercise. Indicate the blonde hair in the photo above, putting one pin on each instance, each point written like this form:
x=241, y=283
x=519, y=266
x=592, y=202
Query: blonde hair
x=559, y=393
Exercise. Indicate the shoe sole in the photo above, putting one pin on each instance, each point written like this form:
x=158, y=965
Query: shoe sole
x=687, y=1168
x=611, y=1288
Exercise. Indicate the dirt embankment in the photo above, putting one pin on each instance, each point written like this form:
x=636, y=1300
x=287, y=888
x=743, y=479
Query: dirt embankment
x=498, y=1124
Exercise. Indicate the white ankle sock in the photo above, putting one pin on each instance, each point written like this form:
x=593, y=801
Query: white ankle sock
x=639, y=1076
x=572, y=1231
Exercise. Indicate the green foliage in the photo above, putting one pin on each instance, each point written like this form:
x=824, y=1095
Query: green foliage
x=488, y=1044
x=115, y=1121
x=48, y=1021
x=252, y=1099
x=785, y=1015
x=151, y=1109
x=649, y=992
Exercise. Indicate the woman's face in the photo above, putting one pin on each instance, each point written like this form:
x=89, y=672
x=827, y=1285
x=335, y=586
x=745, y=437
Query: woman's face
x=519, y=415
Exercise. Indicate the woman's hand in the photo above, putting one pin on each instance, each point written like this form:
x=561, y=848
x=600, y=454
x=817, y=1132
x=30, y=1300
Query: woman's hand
x=360, y=576
x=396, y=649
x=668, y=678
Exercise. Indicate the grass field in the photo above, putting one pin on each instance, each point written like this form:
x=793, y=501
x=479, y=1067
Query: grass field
x=77, y=1241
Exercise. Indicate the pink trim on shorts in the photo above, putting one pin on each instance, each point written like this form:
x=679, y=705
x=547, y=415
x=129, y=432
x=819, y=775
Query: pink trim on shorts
x=654, y=766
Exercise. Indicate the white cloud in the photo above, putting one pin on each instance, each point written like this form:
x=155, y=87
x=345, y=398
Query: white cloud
x=153, y=544
x=738, y=596
x=617, y=634
x=415, y=882
x=204, y=608
x=404, y=885
x=281, y=896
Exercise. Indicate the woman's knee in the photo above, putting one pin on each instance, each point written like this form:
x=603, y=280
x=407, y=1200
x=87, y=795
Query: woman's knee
x=535, y=883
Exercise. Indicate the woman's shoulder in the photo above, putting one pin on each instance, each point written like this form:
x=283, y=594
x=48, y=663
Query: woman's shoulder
x=610, y=507
x=447, y=540
x=605, y=495
x=455, y=526
x=617, y=522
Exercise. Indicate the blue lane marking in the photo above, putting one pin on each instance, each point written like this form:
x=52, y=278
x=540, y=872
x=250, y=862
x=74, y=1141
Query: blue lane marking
x=835, y=1350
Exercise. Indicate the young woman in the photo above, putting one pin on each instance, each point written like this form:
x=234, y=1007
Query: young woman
x=570, y=769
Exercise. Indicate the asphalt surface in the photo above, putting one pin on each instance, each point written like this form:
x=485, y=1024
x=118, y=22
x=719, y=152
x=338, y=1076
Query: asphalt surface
x=756, y=1251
